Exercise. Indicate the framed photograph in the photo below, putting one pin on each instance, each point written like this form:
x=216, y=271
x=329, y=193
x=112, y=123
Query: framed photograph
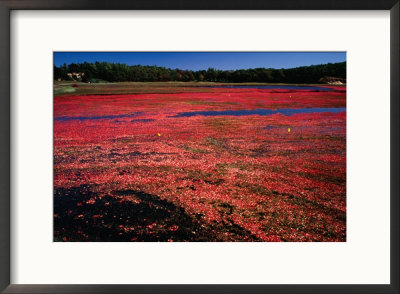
x=199, y=147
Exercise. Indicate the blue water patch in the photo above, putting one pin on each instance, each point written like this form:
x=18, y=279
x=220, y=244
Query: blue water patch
x=284, y=111
x=142, y=120
x=274, y=127
x=81, y=118
x=280, y=87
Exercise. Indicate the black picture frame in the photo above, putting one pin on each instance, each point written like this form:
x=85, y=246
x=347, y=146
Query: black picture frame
x=8, y=5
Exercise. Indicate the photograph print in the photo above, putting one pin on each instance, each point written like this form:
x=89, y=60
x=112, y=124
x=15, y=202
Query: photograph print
x=199, y=147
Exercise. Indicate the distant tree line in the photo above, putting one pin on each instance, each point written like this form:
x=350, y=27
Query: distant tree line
x=117, y=72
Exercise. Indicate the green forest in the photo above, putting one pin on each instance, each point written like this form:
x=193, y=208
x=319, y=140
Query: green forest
x=117, y=72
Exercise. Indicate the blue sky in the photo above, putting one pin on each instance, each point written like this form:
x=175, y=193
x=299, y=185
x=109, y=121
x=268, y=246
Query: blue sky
x=204, y=60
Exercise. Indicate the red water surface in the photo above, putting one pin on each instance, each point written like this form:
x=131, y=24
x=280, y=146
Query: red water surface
x=126, y=169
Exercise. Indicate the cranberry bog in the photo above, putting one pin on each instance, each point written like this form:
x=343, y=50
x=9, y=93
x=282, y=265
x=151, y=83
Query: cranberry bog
x=201, y=164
